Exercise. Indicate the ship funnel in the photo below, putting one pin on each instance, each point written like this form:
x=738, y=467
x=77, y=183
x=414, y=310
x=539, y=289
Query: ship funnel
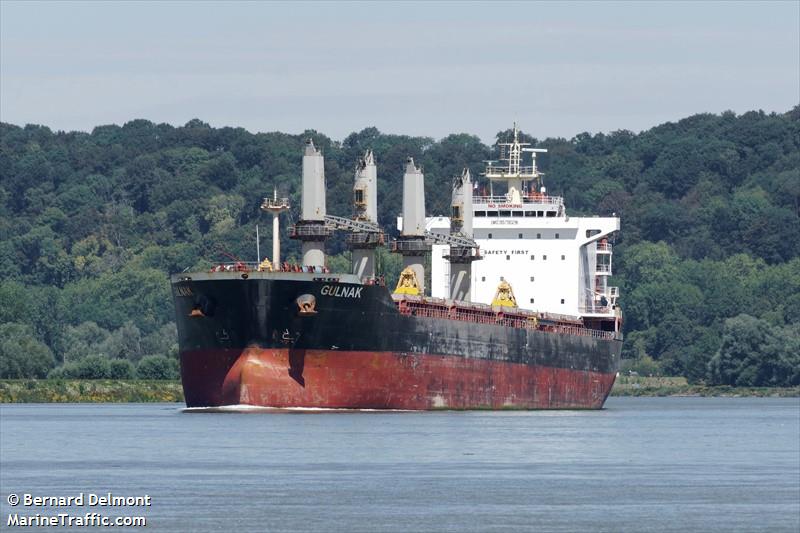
x=311, y=228
x=412, y=243
x=461, y=257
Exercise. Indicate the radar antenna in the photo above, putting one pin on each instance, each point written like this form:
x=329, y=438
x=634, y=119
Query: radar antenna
x=514, y=172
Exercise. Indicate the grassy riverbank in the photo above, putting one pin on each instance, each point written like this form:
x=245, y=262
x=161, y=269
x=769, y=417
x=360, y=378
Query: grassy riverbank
x=670, y=386
x=89, y=391
x=123, y=391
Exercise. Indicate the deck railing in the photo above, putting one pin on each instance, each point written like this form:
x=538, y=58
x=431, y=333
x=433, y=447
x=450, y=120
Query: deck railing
x=526, y=200
x=310, y=231
x=595, y=309
x=252, y=266
x=488, y=315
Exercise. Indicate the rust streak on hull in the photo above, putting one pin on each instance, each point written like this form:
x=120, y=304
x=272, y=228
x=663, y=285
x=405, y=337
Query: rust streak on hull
x=282, y=377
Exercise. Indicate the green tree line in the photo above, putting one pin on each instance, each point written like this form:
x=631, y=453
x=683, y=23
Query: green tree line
x=708, y=258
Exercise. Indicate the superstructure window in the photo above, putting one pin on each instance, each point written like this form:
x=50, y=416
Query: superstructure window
x=505, y=213
x=508, y=258
x=562, y=300
x=519, y=235
x=544, y=258
x=592, y=232
x=483, y=278
x=531, y=278
x=533, y=257
x=539, y=213
x=538, y=235
x=457, y=212
x=491, y=213
x=531, y=300
x=557, y=235
x=563, y=257
x=490, y=235
x=516, y=213
x=359, y=196
x=480, y=213
x=551, y=213
x=530, y=213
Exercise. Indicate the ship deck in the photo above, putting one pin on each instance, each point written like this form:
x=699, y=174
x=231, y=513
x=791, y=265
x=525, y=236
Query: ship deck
x=418, y=306
x=485, y=314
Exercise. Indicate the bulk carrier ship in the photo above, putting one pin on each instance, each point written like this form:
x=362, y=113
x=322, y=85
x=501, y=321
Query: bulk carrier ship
x=519, y=313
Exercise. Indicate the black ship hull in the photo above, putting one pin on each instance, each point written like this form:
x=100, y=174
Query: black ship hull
x=305, y=340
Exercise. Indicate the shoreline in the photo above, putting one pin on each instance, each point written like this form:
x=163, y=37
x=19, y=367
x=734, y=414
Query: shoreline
x=89, y=391
x=144, y=391
x=678, y=386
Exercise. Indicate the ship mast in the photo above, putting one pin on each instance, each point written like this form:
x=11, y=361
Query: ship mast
x=514, y=174
x=276, y=206
x=312, y=229
x=364, y=234
x=413, y=242
x=461, y=256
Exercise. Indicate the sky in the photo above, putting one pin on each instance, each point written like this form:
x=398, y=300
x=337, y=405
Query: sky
x=556, y=68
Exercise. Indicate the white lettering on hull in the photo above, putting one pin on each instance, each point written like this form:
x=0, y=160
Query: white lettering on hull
x=338, y=291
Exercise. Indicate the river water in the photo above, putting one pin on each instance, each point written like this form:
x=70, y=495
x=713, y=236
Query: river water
x=641, y=464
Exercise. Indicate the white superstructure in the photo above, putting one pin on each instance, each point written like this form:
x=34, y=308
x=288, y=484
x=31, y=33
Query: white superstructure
x=554, y=263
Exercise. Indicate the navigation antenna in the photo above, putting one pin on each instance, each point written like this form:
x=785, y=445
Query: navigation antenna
x=514, y=173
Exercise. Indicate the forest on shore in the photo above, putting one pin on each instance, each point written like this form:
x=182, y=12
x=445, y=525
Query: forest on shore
x=707, y=260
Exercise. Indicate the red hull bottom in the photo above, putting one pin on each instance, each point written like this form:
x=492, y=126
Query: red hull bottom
x=272, y=377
